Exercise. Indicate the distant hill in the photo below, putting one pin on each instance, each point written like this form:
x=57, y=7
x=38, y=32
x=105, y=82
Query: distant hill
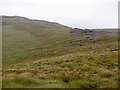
x=21, y=35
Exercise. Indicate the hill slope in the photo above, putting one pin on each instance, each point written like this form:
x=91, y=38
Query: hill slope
x=22, y=35
x=48, y=55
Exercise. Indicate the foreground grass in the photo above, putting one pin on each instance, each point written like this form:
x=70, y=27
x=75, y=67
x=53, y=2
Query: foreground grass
x=69, y=71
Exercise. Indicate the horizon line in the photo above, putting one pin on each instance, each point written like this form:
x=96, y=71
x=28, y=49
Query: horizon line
x=56, y=22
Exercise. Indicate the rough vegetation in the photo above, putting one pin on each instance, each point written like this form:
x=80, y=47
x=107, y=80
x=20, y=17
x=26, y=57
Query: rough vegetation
x=43, y=54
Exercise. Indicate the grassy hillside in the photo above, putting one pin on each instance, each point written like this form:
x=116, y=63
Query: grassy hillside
x=49, y=55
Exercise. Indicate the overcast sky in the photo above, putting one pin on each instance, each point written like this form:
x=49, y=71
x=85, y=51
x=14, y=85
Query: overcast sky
x=73, y=13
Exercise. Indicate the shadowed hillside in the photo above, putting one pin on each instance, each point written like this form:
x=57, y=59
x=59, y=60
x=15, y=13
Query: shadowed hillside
x=49, y=55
